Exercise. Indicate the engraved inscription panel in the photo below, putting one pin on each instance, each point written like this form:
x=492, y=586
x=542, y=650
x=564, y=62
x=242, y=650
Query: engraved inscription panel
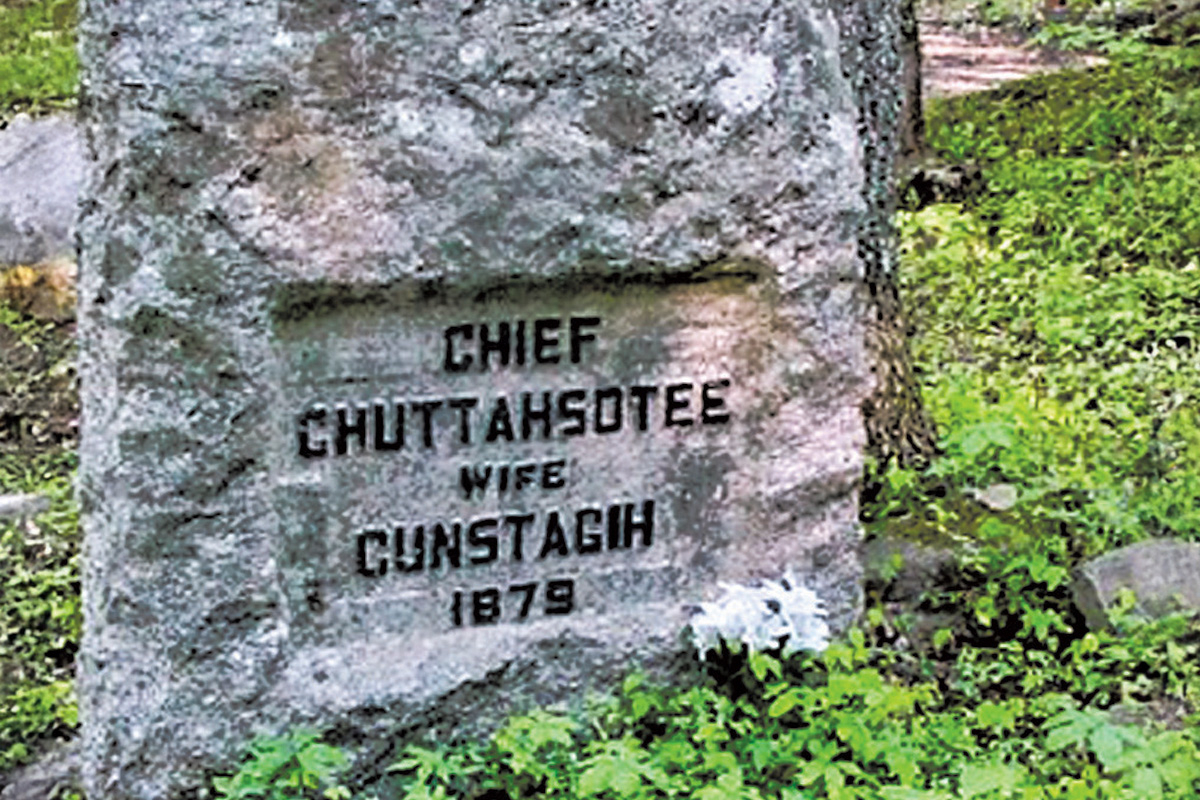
x=523, y=461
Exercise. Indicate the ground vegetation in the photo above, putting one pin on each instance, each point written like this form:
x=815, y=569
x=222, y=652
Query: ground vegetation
x=38, y=63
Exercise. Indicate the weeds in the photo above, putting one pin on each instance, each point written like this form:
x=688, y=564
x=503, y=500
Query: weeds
x=40, y=613
x=38, y=64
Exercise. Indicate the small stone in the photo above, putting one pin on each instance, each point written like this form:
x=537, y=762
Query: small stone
x=41, y=171
x=905, y=570
x=1163, y=574
x=1168, y=713
x=998, y=496
x=16, y=506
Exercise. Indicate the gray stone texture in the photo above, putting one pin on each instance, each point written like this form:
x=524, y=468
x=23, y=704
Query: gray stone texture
x=17, y=506
x=41, y=171
x=53, y=775
x=905, y=570
x=290, y=201
x=1163, y=574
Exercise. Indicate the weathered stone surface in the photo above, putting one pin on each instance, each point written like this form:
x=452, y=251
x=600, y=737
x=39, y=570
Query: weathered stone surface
x=298, y=220
x=903, y=570
x=41, y=170
x=52, y=775
x=14, y=506
x=1164, y=576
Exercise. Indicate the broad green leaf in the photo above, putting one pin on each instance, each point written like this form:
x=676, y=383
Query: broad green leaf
x=981, y=779
x=1107, y=744
x=783, y=704
x=1147, y=784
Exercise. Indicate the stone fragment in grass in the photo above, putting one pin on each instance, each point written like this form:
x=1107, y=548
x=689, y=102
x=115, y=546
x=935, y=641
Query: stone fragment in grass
x=15, y=506
x=1162, y=574
x=41, y=170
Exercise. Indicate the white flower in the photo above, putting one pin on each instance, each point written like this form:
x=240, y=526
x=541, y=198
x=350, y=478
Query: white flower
x=779, y=613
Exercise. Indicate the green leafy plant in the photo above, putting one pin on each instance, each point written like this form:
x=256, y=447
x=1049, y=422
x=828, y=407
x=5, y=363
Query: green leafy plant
x=838, y=725
x=1134, y=764
x=288, y=767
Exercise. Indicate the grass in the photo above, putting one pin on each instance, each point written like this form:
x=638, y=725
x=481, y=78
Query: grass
x=1055, y=317
x=40, y=616
x=38, y=64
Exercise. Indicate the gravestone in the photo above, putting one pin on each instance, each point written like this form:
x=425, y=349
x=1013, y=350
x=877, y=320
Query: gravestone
x=439, y=359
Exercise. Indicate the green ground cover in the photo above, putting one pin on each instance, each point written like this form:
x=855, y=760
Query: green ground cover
x=38, y=64
x=39, y=610
x=1055, y=318
x=39, y=557
x=1039, y=14
x=1055, y=322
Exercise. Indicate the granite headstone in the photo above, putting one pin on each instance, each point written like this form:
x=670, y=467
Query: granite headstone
x=440, y=358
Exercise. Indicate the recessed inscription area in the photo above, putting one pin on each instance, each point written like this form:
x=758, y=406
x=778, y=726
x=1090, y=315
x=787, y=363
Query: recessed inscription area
x=485, y=465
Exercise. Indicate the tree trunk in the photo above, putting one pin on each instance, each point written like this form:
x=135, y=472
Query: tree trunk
x=897, y=426
x=898, y=429
x=911, y=141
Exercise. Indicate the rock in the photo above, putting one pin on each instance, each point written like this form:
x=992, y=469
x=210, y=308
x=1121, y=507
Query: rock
x=932, y=182
x=905, y=570
x=45, y=779
x=1169, y=713
x=997, y=497
x=15, y=506
x=41, y=171
x=1163, y=574
x=440, y=359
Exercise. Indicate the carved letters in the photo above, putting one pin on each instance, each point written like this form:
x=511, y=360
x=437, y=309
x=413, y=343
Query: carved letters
x=449, y=424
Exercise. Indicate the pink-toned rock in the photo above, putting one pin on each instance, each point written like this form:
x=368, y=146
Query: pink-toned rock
x=440, y=358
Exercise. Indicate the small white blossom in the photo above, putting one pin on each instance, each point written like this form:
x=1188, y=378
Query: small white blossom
x=779, y=613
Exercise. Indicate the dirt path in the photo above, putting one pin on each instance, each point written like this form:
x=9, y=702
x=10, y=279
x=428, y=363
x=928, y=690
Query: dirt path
x=958, y=61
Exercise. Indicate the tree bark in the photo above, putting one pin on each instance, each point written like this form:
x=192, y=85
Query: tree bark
x=911, y=141
x=897, y=426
